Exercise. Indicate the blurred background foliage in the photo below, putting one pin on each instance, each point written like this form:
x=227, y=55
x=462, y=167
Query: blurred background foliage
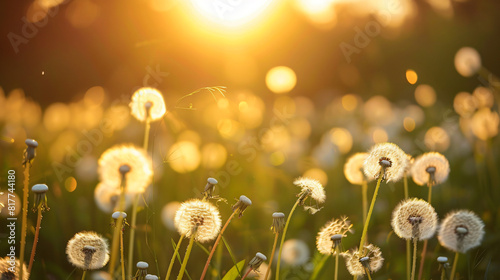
x=68, y=85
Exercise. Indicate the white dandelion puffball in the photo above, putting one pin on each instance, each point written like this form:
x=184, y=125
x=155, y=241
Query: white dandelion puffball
x=145, y=97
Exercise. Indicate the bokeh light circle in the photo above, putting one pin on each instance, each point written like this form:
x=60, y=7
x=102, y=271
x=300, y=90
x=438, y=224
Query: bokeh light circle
x=281, y=79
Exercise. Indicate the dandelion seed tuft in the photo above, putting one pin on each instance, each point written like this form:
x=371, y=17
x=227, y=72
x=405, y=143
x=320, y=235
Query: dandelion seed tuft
x=310, y=188
x=387, y=158
x=7, y=274
x=461, y=231
x=414, y=219
x=87, y=250
x=295, y=252
x=353, y=169
x=147, y=101
x=357, y=261
x=431, y=169
x=330, y=235
x=198, y=216
x=115, y=161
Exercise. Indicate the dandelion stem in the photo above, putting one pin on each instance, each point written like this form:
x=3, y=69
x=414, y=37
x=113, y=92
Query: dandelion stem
x=146, y=134
x=122, y=259
x=424, y=249
x=364, y=190
x=415, y=240
x=215, y=245
x=443, y=273
x=35, y=241
x=118, y=228
x=246, y=274
x=408, y=246
x=176, y=250
x=132, y=235
x=272, y=255
x=454, y=267
x=283, y=237
x=429, y=196
x=83, y=275
x=368, y=274
x=186, y=257
x=336, y=262
x=24, y=224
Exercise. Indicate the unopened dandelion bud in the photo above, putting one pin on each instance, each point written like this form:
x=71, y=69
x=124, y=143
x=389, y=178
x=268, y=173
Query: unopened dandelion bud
x=442, y=260
x=461, y=231
x=210, y=187
x=241, y=205
x=40, y=199
x=30, y=151
x=151, y=277
x=142, y=270
x=116, y=215
x=278, y=222
x=257, y=261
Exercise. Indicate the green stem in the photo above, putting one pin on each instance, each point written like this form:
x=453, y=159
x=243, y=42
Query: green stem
x=83, y=275
x=429, y=197
x=35, y=241
x=122, y=259
x=365, y=228
x=186, y=257
x=272, y=255
x=283, y=237
x=408, y=246
x=118, y=228
x=176, y=250
x=336, y=262
x=424, y=250
x=368, y=274
x=318, y=268
x=24, y=223
x=146, y=134
x=405, y=184
x=132, y=235
x=215, y=245
x=364, y=190
x=415, y=240
x=443, y=273
x=454, y=267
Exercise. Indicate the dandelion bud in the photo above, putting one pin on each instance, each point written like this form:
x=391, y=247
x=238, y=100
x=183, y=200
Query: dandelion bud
x=30, y=151
x=151, y=277
x=116, y=215
x=414, y=219
x=210, y=187
x=442, y=260
x=257, y=261
x=330, y=235
x=87, y=250
x=278, y=222
x=142, y=270
x=40, y=200
x=461, y=231
x=241, y=205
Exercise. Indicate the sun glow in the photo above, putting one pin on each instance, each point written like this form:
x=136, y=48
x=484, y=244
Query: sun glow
x=230, y=13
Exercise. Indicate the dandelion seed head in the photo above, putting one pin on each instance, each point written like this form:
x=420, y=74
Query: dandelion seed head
x=168, y=214
x=353, y=169
x=485, y=124
x=295, y=252
x=140, y=173
x=107, y=197
x=467, y=61
x=461, y=231
x=430, y=168
x=198, y=216
x=356, y=260
x=147, y=97
x=464, y=104
x=386, y=156
x=335, y=227
x=311, y=186
x=414, y=218
x=87, y=250
x=6, y=274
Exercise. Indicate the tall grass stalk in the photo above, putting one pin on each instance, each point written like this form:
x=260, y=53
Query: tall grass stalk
x=176, y=250
x=272, y=255
x=364, y=190
x=408, y=246
x=454, y=267
x=424, y=248
x=24, y=223
x=83, y=275
x=118, y=228
x=368, y=274
x=284, y=235
x=186, y=257
x=35, y=241
x=122, y=259
x=215, y=245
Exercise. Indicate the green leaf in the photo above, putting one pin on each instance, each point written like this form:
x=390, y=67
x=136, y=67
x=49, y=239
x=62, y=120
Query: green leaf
x=232, y=255
x=179, y=258
x=318, y=267
x=234, y=272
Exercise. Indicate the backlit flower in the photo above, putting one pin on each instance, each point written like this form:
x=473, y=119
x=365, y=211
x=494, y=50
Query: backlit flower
x=414, y=219
x=136, y=161
x=461, y=231
x=485, y=123
x=324, y=241
x=147, y=99
x=295, y=252
x=358, y=262
x=87, y=250
x=467, y=61
x=386, y=158
x=353, y=169
x=310, y=188
x=199, y=217
x=430, y=168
